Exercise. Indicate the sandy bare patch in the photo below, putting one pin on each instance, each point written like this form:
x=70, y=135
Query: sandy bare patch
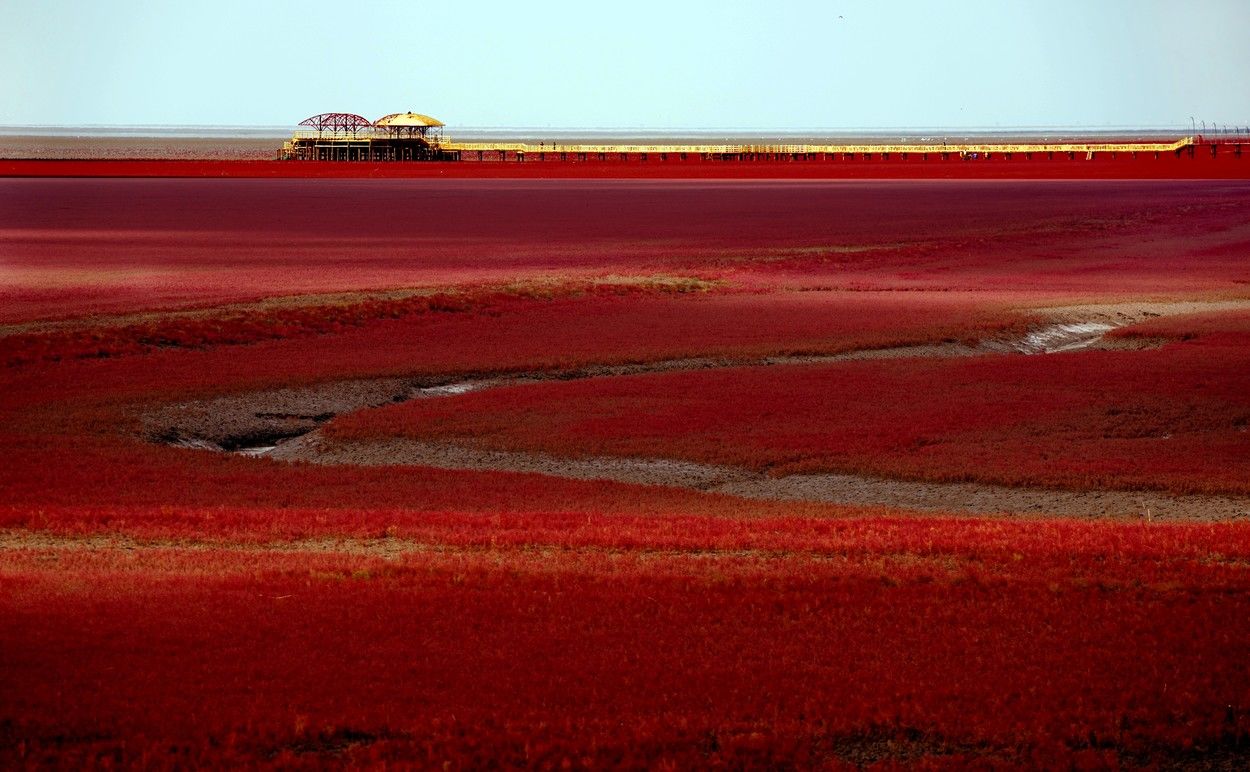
x=537, y=287
x=277, y=302
x=13, y=540
x=53, y=545
x=1132, y=312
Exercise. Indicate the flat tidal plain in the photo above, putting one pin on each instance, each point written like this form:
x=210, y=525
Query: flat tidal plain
x=473, y=520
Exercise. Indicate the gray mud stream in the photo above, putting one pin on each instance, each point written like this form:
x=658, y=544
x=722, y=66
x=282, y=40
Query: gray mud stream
x=844, y=489
x=283, y=425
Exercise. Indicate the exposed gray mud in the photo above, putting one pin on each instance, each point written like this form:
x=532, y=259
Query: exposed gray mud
x=243, y=422
x=852, y=490
x=1063, y=337
x=391, y=452
x=1083, y=326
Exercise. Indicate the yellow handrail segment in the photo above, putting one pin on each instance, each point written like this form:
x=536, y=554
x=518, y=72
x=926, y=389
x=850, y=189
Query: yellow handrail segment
x=522, y=148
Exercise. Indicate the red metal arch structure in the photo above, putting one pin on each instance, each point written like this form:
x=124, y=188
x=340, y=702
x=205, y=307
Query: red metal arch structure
x=338, y=123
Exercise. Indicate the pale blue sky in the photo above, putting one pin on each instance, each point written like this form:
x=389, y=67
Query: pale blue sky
x=668, y=64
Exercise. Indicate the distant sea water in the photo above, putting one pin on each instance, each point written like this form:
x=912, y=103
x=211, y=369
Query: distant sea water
x=263, y=142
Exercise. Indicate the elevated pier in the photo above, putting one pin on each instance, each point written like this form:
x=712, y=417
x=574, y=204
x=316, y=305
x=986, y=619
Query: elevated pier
x=417, y=137
x=522, y=151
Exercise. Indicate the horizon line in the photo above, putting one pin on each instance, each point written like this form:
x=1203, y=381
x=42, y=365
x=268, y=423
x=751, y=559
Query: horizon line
x=643, y=127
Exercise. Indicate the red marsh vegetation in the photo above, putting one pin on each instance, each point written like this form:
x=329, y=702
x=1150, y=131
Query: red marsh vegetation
x=164, y=603
x=682, y=642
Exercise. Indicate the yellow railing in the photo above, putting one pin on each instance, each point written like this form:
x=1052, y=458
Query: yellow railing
x=520, y=147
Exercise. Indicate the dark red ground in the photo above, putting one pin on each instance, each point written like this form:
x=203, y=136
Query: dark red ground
x=162, y=606
x=110, y=245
